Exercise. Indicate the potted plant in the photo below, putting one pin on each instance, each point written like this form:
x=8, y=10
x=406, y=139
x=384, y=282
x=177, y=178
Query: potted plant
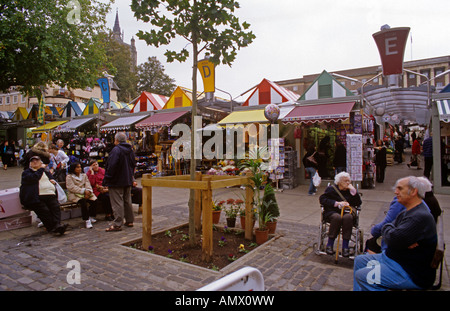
x=216, y=210
x=231, y=212
x=273, y=210
x=258, y=169
x=242, y=216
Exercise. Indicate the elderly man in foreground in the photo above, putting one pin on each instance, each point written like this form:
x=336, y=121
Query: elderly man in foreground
x=411, y=242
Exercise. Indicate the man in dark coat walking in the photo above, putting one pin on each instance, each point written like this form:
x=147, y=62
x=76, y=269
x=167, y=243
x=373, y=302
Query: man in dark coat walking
x=119, y=177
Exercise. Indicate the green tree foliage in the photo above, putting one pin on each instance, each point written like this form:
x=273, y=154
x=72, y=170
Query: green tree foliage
x=208, y=25
x=153, y=79
x=42, y=42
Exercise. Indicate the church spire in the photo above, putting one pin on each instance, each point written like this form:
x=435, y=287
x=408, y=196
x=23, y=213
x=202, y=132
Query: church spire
x=116, y=30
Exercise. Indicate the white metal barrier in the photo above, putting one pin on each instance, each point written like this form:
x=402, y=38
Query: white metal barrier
x=245, y=279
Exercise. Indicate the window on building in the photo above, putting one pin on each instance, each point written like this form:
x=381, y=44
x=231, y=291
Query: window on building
x=15, y=99
x=7, y=100
x=1, y=101
x=325, y=91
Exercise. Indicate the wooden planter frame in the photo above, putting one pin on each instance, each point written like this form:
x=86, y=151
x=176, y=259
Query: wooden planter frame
x=203, y=186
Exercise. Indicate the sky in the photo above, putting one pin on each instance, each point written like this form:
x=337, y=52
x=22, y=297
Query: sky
x=300, y=37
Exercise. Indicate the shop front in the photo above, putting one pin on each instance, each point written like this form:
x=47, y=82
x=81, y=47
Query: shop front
x=323, y=122
x=440, y=123
x=45, y=132
x=154, y=154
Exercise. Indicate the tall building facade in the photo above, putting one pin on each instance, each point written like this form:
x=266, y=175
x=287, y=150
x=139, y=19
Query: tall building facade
x=429, y=67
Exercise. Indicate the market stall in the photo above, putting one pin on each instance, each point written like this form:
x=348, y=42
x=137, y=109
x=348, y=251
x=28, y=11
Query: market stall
x=268, y=92
x=441, y=141
x=45, y=132
x=148, y=102
x=154, y=154
x=73, y=109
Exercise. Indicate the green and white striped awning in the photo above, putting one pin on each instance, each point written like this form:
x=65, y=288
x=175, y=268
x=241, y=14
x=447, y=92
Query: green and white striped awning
x=444, y=110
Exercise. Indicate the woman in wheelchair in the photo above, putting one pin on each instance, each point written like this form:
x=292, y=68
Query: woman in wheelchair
x=332, y=203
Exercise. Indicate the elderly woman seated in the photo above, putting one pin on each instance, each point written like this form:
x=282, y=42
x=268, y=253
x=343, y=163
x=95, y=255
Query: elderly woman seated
x=332, y=203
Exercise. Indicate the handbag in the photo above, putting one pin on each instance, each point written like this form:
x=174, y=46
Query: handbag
x=317, y=179
x=61, y=194
x=353, y=210
x=312, y=159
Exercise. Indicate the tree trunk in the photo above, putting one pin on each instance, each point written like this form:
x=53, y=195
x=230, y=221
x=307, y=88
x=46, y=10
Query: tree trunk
x=193, y=160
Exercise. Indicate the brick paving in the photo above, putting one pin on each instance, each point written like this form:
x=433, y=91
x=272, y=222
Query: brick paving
x=32, y=260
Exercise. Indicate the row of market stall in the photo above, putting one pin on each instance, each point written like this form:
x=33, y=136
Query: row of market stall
x=148, y=120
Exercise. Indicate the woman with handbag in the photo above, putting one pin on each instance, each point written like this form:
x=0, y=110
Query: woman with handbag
x=38, y=193
x=310, y=163
x=340, y=195
x=80, y=191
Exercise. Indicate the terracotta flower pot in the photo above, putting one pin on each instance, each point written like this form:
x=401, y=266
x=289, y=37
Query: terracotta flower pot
x=261, y=236
x=216, y=217
x=272, y=226
x=231, y=222
x=243, y=222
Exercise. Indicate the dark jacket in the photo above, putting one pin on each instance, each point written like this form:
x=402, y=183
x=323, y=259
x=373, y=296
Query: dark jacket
x=330, y=197
x=416, y=225
x=340, y=156
x=308, y=163
x=427, y=147
x=29, y=188
x=119, y=169
x=380, y=157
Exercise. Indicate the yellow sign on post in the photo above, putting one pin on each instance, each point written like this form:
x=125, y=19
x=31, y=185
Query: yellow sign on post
x=206, y=69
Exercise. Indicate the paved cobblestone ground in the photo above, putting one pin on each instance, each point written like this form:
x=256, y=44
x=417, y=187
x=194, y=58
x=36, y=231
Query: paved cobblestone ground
x=34, y=260
x=39, y=261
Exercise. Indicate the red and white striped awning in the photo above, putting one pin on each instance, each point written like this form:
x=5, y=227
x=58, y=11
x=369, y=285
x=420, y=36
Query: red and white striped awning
x=319, y=113
x=268, y=92
x=149, y=102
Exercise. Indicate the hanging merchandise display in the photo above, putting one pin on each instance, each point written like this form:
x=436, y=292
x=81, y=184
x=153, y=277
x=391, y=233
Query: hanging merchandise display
x=355, y=156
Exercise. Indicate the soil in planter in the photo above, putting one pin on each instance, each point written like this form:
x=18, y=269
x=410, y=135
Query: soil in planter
x=175, y=244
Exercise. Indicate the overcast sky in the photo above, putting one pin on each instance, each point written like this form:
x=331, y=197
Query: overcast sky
x=300, y=37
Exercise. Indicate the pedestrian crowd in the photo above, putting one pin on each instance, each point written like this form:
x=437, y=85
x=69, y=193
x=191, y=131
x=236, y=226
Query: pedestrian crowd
x=47, y=167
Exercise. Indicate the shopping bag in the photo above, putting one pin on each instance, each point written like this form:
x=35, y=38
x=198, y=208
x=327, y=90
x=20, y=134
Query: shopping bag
x=62, y=198
x=316, y=180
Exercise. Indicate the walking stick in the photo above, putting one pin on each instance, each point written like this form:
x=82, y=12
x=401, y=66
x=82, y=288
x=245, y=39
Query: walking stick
x=340, y=232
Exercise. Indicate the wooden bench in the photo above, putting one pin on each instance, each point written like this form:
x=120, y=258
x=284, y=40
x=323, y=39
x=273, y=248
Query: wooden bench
x=67, y=205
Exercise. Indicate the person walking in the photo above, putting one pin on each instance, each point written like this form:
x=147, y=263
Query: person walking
x=427, y=151
x=80, y=190
x=310, y=163
x=7, y=153
x=119, y=177
x=380, y=160
x=415, y=151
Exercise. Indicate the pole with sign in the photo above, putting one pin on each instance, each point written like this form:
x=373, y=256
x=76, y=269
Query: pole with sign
x=207, y=70
x=391, y=43
x=104, y=87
